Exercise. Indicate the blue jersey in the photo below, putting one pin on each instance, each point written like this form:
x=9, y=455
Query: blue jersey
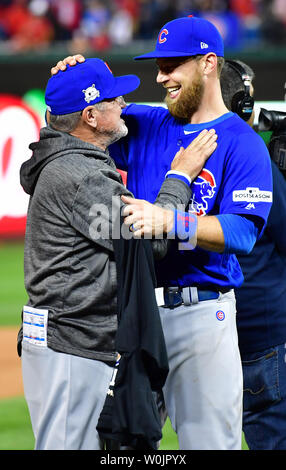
x=236, y=179
x=261, y=300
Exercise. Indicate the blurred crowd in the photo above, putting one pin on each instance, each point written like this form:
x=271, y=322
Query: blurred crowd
x=101, y=24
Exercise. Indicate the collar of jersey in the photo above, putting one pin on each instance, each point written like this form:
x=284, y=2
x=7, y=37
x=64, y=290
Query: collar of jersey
x=207, y=125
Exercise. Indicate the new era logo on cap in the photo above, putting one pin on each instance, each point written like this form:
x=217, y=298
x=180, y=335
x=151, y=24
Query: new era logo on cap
x=186, y=37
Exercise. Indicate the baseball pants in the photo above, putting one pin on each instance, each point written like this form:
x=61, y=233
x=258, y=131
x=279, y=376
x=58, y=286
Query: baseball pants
x=65, y=395
x=203, y=391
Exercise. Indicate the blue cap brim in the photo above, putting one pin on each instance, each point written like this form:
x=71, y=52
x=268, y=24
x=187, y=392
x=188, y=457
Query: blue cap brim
x=123, y=85
x=159, y=54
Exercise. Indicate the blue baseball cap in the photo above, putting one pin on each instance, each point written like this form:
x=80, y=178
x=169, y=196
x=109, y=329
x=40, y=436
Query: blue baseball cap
x=186, y=36
x=85, y=84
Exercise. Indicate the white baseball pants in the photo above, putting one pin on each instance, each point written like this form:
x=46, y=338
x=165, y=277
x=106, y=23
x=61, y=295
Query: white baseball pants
x=204, y=389
x=65, y=395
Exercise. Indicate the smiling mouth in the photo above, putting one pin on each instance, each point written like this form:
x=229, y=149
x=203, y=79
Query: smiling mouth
x=173, y=92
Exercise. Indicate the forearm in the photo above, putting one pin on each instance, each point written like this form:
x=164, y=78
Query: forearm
x=229, y=233
x=210, y=235
x=174, y=193
x=205, y=232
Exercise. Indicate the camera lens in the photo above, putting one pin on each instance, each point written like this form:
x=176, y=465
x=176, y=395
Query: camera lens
x=271, y=120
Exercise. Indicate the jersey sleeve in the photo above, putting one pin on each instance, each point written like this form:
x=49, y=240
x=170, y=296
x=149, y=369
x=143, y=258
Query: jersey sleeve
x=240, y=233
x=247, y=183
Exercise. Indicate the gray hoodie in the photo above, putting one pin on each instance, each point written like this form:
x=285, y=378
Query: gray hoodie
x=70, y=269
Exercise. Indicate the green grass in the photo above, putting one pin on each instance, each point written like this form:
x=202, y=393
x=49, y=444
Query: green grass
x=12, y=291
x=169, y=440
x=15, y=427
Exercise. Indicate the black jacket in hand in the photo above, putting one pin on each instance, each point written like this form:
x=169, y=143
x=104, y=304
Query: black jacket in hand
x=130, y=416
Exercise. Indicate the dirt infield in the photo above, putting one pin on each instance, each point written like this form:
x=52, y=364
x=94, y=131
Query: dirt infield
x=10, y=364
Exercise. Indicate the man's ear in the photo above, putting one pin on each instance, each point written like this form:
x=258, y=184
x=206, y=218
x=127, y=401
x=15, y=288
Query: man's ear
x=209, y=63
x=89, y=116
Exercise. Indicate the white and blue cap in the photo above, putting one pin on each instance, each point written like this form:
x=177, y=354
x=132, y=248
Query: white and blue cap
x=85, y=84
x=187, y=36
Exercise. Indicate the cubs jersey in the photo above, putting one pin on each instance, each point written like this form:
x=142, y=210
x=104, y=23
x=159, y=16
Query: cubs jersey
x=236, y=179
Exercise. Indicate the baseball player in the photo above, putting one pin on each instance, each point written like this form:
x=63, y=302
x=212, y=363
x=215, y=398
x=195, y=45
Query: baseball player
x=230, y=202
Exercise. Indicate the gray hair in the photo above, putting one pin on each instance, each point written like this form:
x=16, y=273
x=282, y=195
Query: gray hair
x=68, y=122
x=231, y=81
x=65, y=122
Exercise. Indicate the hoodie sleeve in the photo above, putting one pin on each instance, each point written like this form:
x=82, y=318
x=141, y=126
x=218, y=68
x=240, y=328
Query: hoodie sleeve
x=174, y=194
x=97, y=204
x=96, y=210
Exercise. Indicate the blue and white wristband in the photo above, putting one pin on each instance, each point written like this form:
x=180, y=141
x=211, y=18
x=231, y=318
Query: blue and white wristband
x=184, y=229
x=179, y=175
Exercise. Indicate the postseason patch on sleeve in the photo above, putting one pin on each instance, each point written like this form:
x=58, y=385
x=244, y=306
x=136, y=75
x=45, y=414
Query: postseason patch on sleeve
x=253, y=195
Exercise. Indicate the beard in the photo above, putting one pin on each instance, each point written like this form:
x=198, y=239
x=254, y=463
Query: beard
x=188, y=102
x=114, y=134
x=120, y=132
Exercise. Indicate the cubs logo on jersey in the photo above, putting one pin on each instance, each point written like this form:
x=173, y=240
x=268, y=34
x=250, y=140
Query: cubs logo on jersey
x=204, y=188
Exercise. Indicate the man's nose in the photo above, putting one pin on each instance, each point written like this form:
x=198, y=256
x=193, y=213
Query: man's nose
x=161, y=76
x=120, y=100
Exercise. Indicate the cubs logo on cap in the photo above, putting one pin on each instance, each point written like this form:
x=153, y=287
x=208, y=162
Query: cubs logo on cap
x=162, y=36
x=186, y=36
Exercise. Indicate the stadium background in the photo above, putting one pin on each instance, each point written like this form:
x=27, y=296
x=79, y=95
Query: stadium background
x=34, y=35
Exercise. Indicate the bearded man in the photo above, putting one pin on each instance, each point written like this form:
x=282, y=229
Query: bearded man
x=203, y=391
